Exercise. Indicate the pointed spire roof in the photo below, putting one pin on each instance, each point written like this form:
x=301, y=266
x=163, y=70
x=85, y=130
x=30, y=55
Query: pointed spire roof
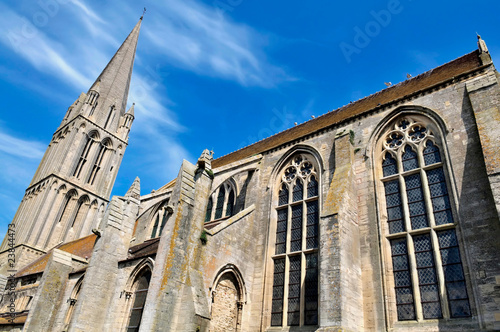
x=135, y=189
x=114, y=81
x=131, y=110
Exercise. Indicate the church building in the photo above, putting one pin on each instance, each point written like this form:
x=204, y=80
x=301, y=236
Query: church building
x=382, y=215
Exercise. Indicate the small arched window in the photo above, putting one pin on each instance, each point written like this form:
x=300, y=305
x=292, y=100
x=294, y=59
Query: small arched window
x=295, y=255
x=428, y=280
x=225, y=199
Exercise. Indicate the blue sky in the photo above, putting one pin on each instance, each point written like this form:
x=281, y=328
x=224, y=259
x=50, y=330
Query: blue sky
x=212, y=74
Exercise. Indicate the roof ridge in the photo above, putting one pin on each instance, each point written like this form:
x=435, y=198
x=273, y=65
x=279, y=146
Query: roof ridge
x=372, y=96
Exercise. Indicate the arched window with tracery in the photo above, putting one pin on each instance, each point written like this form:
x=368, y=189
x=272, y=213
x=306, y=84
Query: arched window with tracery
x=295, y=258
x=225, y=198
x=99, y=160
x=418, y=222
x=160, y=220
x=138, y=298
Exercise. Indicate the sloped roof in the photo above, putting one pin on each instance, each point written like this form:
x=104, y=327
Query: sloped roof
x=81, y=247
x=457, y=67
x=144, y=249
x=19, y=319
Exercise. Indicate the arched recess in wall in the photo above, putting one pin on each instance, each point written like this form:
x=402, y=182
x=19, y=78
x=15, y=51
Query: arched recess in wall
x=135, y=294
x=294, y=240
x=418, y=222
x=72, y=302
x=228, y=296
x=89, y=220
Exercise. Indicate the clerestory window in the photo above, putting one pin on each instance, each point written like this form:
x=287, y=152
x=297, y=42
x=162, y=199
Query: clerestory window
x=224, y=202
x=295, y=258
x=428, y=277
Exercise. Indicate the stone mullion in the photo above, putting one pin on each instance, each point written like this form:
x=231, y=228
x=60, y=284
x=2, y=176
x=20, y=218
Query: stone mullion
x=226, y=197
x=106, y=162
x=414, y=278
x=285, y=292
x=440, y=275
x=303, y=258
x=81, y=144
x=214, y=203
x=91, y=160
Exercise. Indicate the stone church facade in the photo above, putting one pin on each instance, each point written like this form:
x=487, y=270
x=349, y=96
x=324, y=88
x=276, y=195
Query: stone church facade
x=382, y=215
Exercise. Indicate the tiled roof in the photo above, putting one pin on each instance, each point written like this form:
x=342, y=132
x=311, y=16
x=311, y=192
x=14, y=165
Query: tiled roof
x=147, y=248
x=81, y=247
x=457, y=67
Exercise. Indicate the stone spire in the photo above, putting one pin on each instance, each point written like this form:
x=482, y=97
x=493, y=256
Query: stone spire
x=114, y=81
x=135, y=189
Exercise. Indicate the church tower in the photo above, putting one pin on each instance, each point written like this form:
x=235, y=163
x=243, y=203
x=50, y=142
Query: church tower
x=69, y=192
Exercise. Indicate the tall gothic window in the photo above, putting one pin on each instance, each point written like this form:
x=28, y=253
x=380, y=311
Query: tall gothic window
x=160, y=220
x=90, y=140
x=428, y=278
x=103, y=147
x=295, y=259
x=138, y=298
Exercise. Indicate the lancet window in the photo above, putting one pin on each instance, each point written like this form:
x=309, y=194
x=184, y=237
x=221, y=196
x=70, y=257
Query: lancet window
x=225, y=199
x=138, y=298
x=419, y=223
x=295, y=258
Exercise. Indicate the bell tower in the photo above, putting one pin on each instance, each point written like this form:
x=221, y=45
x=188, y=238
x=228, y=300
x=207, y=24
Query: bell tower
x=71, y=187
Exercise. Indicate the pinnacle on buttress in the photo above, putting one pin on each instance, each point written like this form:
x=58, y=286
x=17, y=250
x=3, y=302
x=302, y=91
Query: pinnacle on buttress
x=135, y=189
x=481, y=45
x=205, y=160
x=131, y=110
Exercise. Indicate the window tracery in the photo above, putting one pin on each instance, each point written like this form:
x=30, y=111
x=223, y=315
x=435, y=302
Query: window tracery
x=225, y=199
x=295, y=259
x=160, y=220
x=428, y=276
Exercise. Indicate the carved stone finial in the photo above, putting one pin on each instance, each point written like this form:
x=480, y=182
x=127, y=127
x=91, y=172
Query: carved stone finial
x=205, y=160
x=481, y=45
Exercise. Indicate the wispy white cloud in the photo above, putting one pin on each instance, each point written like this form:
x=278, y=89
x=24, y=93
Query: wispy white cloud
x=199, y=39
x=34, y=46
x=20, y=148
